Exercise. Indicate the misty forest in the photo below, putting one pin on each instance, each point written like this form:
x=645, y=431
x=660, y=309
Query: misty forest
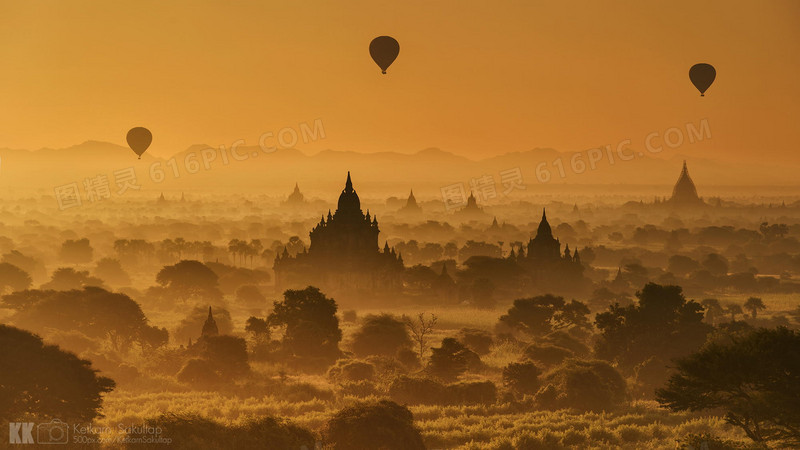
x=364, y=322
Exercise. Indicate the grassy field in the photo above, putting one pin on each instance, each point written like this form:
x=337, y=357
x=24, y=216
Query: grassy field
x=642, y=424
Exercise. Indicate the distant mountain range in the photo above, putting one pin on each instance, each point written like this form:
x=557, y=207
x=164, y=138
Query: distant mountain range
x=202, y=168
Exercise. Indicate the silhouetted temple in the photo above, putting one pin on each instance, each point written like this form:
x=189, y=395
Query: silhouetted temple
x=343, y=255
x=411, y=207
x=210, y=326
x=684, y=194
x=547, y=267
x=472, y=211
x=296, y=197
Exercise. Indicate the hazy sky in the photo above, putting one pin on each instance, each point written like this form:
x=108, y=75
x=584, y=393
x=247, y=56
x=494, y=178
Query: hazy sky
x=474, y=78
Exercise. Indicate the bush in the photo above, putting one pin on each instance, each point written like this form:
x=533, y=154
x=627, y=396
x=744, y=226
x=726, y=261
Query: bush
x=408, y=358
x=583, y=385
x=382, y=334
x=479, y=341
x=425, y=391
x=304, y=392
x=358, y=389
x=547, y=354
x=348, y=370
x=227, y=354
x=631, y=433
x=473, y=393
x=522, y=378
x=384, y=424
x=452, y=359
x=417, y=391
x=198, y=372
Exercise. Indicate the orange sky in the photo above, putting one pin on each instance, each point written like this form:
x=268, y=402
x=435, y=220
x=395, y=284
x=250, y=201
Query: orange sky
x=473, y=78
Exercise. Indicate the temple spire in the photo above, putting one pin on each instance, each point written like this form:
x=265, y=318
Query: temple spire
x=348, y=185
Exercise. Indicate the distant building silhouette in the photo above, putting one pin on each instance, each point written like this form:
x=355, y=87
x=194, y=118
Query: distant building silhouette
x=210, y=326
x=684, y=194
x=547, y=267
x=444, y=287
x=411, y=207
x=296, y=197
x=162, y=200
x=343, y=255
x=472, y=211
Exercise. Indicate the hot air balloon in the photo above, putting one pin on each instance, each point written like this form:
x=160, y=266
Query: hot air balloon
x=702, y=75
x=139, y=139
x=384, y=50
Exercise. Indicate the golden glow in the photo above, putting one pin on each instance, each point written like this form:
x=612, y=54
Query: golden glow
x=474, y=78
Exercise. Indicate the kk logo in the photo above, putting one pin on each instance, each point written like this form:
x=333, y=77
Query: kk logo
x=20, y=432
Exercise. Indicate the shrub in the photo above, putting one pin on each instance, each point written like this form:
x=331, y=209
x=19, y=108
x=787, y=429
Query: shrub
x=408, y=358
x=382, y=334
x=358, y=389
x=303, y=392
x=348, y=370
x=426, y=391
x=547, y=354
x=583, y=385
x=384, y=424
x=451, y=360
x=197, y=372
x=631, y=433
x=227, y=354
x=417, y=391
x=522, y=378
x=473, y=393
x=479, y=341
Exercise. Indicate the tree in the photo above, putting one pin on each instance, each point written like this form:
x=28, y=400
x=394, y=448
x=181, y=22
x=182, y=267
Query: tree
x=190, y=279
x=682, y=265
x=76, y=251
x=66, y=278
x=110, y=270
x=14, y=278
x=479, y=341
x=713, y=309
x=754, y=378
x=522, y=378
x=363, y=426
x=45, y=381
x=382, y=334
x=544, y=314
x=584, y=386
x=93, y=311
x=733, y=309
x=421, y=330
x=663, y=325
x=227, y=355
x=312, y=328
x=451, y=359
x=716, y=264
x=753, y=304
x=257, y=327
